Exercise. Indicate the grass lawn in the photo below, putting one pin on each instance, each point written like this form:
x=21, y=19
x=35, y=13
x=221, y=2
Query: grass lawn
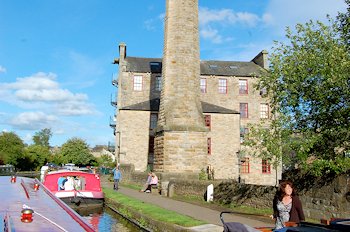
x=152, y=211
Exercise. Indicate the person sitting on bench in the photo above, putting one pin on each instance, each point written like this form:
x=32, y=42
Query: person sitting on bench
x=153, y=183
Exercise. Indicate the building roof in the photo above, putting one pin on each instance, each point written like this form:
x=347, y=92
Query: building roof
x=153, y=105
x=210, y=67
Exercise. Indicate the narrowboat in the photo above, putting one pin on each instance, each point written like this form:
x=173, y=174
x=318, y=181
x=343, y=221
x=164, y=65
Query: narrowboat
x=27, y=205
x=76, y=188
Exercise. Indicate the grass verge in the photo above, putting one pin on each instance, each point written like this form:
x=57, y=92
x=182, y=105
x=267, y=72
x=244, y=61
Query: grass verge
x=152, y=211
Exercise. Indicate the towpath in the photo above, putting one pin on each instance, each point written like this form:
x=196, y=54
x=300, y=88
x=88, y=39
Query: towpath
x=198, y=212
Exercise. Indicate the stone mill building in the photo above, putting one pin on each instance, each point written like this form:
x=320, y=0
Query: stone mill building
x=182, y=115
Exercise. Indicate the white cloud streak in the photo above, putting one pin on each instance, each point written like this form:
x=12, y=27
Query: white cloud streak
x=41, y=91
x=2, y=69
x=228, y=16
x=33, y=120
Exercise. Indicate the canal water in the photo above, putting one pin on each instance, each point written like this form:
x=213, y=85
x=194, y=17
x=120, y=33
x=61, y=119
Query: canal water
x=106, y=220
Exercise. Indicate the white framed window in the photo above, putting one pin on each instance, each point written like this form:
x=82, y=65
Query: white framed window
x=222, y=86
x=264, y=110
x=138, y=83
x=203, y=84
x=243, y=86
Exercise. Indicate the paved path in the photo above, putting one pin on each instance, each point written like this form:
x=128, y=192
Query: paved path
x=194, y=211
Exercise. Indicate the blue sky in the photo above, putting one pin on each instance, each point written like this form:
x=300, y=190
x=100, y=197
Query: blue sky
x=56, y=55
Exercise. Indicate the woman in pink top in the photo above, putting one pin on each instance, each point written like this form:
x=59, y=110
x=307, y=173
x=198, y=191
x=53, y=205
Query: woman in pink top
x=153, y=183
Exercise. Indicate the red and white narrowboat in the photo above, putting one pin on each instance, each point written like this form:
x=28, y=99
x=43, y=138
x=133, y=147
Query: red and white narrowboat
x=75, y=188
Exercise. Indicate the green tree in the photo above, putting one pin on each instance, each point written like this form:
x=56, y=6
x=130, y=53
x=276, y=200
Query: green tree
x=39, y=156
x=42, y=137
x=11, y=148
x=105, y=160
x=309, y=87
x=77, y=151
x=343, y=25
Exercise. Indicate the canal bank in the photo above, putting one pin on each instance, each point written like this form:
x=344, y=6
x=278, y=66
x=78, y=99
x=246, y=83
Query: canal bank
x=209, y=216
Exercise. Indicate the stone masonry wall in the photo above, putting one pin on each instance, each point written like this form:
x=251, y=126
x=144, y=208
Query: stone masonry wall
x=182, y=151
x=180, y=107
x=224, y=129
x=322, y=198
x=134, y=131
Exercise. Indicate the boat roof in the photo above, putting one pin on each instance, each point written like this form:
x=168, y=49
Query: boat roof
x=67, y=172
x=50, y=213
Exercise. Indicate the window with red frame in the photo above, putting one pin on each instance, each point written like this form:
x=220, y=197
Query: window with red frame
x=243, y=86
x=243, y=109
x=266, y=166
x=222, y=86
x=209, y=146
x=245, y=165
x=207, y=120
x=138, y=83
x=203, y=85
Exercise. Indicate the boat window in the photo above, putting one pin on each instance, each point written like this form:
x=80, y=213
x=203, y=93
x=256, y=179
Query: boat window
x=79, y=183
x=71, y=183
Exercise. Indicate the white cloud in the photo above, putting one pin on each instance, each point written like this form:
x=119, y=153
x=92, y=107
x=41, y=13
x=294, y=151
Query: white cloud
x=39, y=80
x=212, y=34
x=42, y=91
x=211, y=22
x=33, y=120
x=48, y=95
x=75, y=108
x=2, y=69
x=227, y=16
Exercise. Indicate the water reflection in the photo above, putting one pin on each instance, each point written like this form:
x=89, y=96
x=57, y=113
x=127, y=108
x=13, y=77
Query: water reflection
x=106, y=220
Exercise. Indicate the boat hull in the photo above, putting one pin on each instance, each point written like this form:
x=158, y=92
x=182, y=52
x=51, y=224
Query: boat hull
x=88, y=193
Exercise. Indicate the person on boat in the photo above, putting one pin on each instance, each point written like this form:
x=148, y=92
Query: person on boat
x=287, y=206
x=153, y=183
x=117, y=175
x=60, y=182
x=77, y=183
x=44, y=169
x=69, y=184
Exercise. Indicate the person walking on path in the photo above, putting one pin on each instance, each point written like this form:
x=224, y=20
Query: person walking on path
x=117, y=176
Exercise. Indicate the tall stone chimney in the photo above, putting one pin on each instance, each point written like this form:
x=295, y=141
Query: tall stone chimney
x=181, y=135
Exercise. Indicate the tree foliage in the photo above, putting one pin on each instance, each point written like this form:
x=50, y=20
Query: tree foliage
x=106, y=161
x=11, y=148
x=42, y=137
x=309, y=87
x=38, y=156
x=343, y=25
x=76, y=151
